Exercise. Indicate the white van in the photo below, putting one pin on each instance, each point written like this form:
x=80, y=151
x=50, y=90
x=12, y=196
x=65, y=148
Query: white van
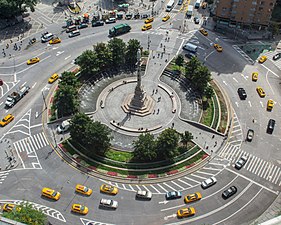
x=47, y=37
x=64, y=126
x=74, y=33
x=190, y=47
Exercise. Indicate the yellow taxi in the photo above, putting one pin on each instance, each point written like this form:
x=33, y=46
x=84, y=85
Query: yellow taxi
x=33, y=60
x=83, y=190
x=53, y=78
x=81, y=209
x=261, y=92
x=149, y=20
x=262, y=59
x=9, y=207
x=185, y=212
x=50, y=193
x=270, y=104
x=105, y=188
x=6, y=120
x=203, y=31
x=165, y=18
x=255, y=76
x=192, y=197
x=146, y=27
x=55, y=40
x=218, y=47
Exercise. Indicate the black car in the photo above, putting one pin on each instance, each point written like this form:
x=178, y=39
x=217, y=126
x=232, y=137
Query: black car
x=270, y=126
x=241, y=162
x=128, y=16
x=242, y=93
x=82, y=25
x=250, y=135
x=190, y=55
x=277, y=56
x=196, y=20
x=229, y=192
x=97, y=23
x=180, y=2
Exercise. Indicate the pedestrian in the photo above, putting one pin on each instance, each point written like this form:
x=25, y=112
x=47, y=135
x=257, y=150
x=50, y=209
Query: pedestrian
x=160, y=45
x=156, y=91
x=213, y=136
x=158, y=111
x=3, y=50
x=11, y=41
x=215, y=144
x=19, y=48
x=153, y=91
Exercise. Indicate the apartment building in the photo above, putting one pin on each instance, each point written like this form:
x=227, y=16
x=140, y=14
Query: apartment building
x=243, y=13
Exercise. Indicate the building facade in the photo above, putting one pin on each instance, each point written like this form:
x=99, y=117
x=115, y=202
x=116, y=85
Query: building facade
x=255, y=14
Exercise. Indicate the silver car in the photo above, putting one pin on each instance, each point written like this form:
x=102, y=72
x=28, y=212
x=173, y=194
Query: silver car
x=144, y=195
x=108, y=203
x=208, y=182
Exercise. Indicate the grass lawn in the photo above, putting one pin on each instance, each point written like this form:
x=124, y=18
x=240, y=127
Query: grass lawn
x=224, y=113
x=119, y=155
x=208, y=114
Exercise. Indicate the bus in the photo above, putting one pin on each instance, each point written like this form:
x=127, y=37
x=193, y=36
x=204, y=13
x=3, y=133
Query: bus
x=170, y=5
x=197, y=4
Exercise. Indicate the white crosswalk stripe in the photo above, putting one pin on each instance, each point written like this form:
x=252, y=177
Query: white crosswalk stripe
x=242, y=53
x=3, y=176
x=31, y=144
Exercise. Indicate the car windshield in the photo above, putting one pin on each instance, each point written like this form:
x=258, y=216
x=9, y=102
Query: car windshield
x=82, y=208
x=54, y=194
x=86, y=189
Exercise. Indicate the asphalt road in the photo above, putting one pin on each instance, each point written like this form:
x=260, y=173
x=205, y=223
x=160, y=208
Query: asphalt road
x=258, y=182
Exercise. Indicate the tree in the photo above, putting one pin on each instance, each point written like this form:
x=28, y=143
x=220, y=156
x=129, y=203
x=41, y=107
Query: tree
x=94, y=136
x=131, y=53
x=167, y=143
x=98, y=135
x=191, y=66
x=88, y=62
x=25, y=213
x=12, y=8
x=103, y=54
x=201, y=78
x=209, y=92
x=78, y=125
x=66, y=100
x=69, y=78
x=179, y=60
x=117, y=48
x=144, y=148
x=186, y=137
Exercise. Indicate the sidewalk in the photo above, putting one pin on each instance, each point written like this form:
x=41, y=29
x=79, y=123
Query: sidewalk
x=9, y=158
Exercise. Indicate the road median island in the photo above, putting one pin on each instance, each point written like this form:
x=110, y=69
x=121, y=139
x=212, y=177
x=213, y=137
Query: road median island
x=184, y=163
x=223, y=107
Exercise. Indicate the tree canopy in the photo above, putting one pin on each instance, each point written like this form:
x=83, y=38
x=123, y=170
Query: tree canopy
x=66, y=99
x=12, y=8
x=167, y=143
x=144, y=148
x=199, y=76
x=93, y=135
x=115, y=55
x=25, y=213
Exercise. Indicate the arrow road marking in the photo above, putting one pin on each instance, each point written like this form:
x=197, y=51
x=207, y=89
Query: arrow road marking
x=58, y=53
x=164, y=202
x=261, y=103
x=88, y=222
x=170, y=216
x=237, y=104
x=224, y=82
x=250, y=103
